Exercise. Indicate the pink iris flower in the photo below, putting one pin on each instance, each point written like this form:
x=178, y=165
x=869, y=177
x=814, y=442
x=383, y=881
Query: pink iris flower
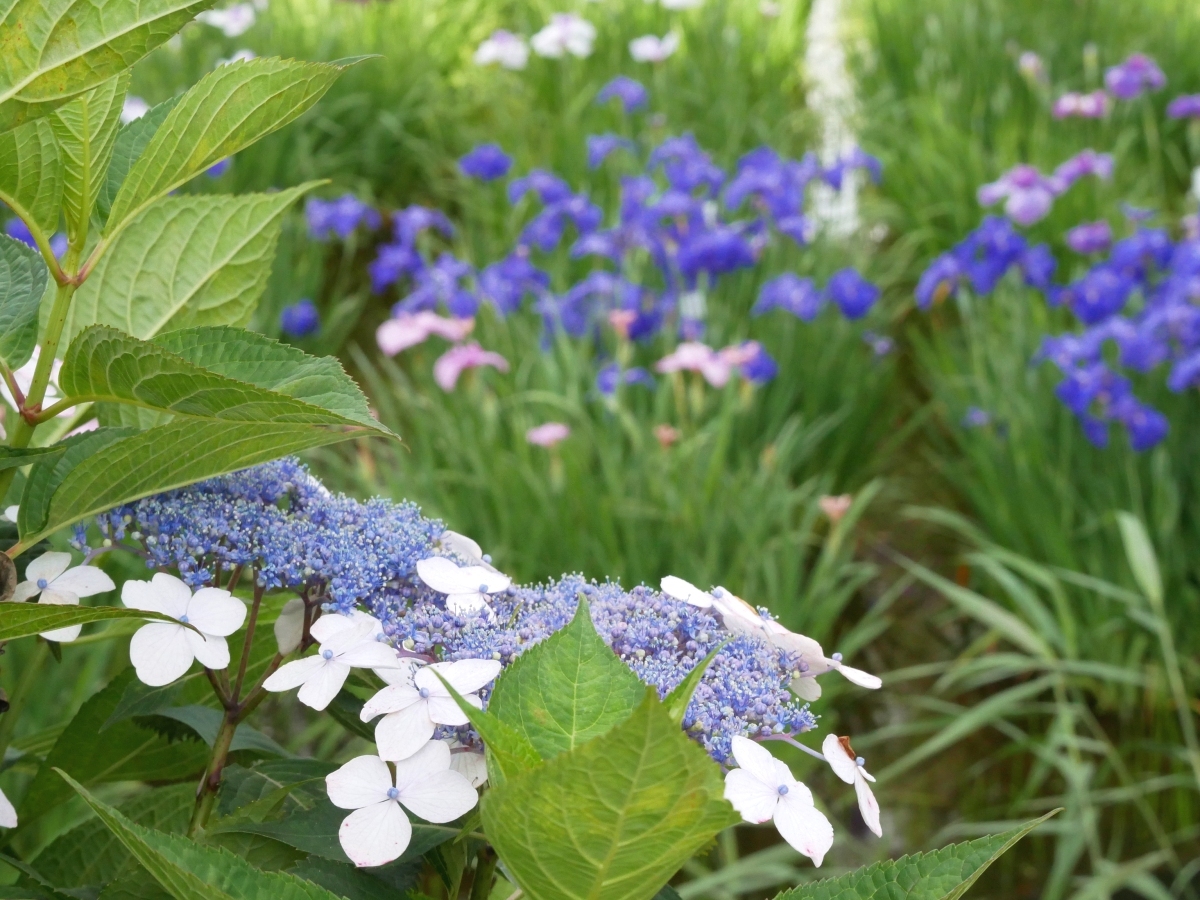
x=408, y=330
x=456, y=360
x=548, y=435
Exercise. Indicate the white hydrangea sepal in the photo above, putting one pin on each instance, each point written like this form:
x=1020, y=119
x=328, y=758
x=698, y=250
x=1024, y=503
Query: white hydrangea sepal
x=466, y=587
x=845, y=765
x=764, y=788
x=53, y=580
x=162, y=652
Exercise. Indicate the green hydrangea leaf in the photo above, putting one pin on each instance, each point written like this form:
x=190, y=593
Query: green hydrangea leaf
x=566, y=690
x=22, y=282
x=31, y=178
x=131, y=140
x=612, y=819
x=944, y=874
x=85, y=130
x=228, y=109
x=183, y=263
x=53, y=50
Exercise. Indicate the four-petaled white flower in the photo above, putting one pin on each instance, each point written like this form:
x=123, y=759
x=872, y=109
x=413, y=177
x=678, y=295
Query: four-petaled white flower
x=566, y=33
x=849, y=767
x=51, y=580
x=505, y=49
x=741, y=618
x=470, y=764
x=467, y=548
x=161, y=651
x=8, y=813
x=652, y=49
x=378, y=831
x=764, y=788
x=11, y=512
x=466, y=587
x=346, y=642
x=412, y=709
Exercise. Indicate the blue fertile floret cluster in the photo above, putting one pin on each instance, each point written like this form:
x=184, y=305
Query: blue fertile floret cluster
x=279, y=523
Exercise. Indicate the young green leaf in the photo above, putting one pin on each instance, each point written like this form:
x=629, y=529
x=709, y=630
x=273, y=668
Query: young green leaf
x=132, y=466
x=228, y=109
x=15, y=457
x=944, y=874
x=125, y=752
x=213, y=373
x=19, y=620
x=680, y=698
x=131, y=141
x=1142, y=560
x=31, y=173
x=53, y=50
x=566, y=690
x=45, y=478
x=85, y=130
x=612, y=819
x=184, y=262
x=22, y=282
x=190, y=871
x=206, y=722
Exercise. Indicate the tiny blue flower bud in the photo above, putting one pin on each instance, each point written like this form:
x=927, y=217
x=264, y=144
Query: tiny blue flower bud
x=859, y=761
x=393, y=793
x=42, y=584
x=183, y=619
x=783, y=789
x=327, y=654
x=483, y=589
x=424, y=692
x=837, y=657
x=487, y=557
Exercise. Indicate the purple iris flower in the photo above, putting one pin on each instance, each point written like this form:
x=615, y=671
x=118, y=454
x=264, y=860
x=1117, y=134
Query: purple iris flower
x=545, y=230
x=631, y=93
x=583, y=305
x=1090, y=237
x=939, y=281
x=393, y=262
x=852, y=293
x=881, y=345
x=976, y=417
x=857, y=158
x=759, y=367
x=1145, y=425
x=686, y=166
x=440, y=283
x=988, y=252
x=338, y=217
x=1038, y=266
x=548, y=186
x=1185, y=373
x=507, y=282
x=1101, y=293
x=1185, y=106
x=19, y=231
x=599, y=146
x=609, y=378
x=1138, y=214
x=1029, y=194
x=1142, y=349
x=1083, y=163
x=716, y=251
x=300, y=319
x=487, y=162
x=219, y=168
x=1131, y=78
x=789, y=292
x=412, y=220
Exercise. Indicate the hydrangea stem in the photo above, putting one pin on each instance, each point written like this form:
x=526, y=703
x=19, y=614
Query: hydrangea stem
x=485, y=873
x=207, y=794
x=29, y=677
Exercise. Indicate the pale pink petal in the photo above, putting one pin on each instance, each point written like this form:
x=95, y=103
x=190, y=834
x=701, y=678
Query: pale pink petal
x=450, y=329
x=376, y=834
x=685, y=591
x=47, y=567
x=755, y=759
x=160, y=653
x=320, y=689
x=293, y=674
x=754, y=800
x=400, y=734
x=60, y=598
x=868, y=805
x=8, y=815
x=210, y=649
x=861, y=678
x=440, y=797
x=804, y=827
x=215, y=611
x=362, y=781
x=84, y=581
x=390, y=699
x=842, y=763
x=399, y=334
